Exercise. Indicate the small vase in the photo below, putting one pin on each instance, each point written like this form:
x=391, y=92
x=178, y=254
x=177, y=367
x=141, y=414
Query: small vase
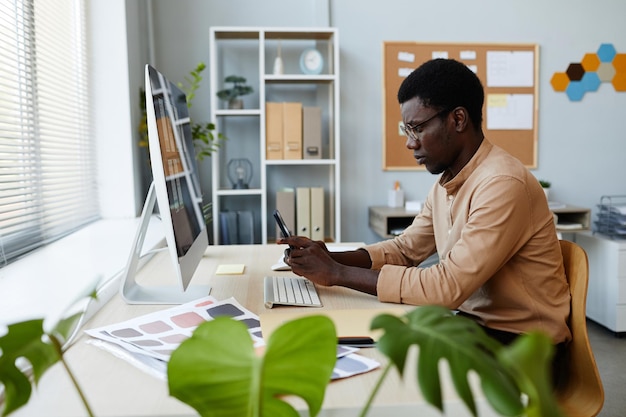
x=546, y=191
x=235, y=104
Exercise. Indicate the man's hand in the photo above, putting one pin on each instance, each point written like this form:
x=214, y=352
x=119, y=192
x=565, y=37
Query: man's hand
x=310, y=259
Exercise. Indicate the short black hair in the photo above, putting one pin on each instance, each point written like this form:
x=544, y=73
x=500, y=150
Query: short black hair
x=445, y=84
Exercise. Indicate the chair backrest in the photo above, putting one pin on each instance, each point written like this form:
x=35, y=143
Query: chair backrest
x=582, y=395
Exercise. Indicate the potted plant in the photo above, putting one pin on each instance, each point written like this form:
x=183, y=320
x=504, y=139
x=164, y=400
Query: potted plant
x=546, y=188
x=231, y=95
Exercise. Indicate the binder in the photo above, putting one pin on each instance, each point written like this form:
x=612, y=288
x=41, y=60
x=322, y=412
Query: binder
x=317, y=213
x=273, y=131
x=303, y=211
x=312, y=132
x=286, y=204
x=292, y=130
x=228, y=228
x=245, y=227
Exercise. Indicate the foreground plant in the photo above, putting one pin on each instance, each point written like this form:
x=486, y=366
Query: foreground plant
x=42, y=348
x=505, y=372
x=218, y=372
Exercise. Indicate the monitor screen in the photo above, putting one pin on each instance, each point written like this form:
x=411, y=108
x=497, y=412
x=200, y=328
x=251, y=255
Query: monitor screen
x=176, y=190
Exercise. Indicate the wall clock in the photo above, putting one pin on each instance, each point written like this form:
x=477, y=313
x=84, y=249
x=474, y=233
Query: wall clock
x=311, y=62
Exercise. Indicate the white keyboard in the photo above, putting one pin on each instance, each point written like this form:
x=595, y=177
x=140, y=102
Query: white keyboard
x=290, y=291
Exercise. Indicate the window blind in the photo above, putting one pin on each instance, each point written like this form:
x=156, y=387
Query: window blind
x=47, y=157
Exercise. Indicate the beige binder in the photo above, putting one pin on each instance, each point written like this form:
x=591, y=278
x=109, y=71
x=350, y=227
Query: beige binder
x=292, y=130
x=303, y=211
x=286, y=204
x=312, y=132
x=317, y=213
x=273, y=131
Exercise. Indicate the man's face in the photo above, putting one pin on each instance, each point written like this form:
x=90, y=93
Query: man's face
x=430, y=137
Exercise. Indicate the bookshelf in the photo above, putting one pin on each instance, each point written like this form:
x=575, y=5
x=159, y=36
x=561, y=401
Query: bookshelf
x=251, y=52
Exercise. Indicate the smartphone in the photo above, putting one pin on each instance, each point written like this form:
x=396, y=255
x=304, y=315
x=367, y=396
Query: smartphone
x=281, y=224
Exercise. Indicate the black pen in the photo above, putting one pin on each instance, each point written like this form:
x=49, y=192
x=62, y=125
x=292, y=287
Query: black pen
x=356, y=341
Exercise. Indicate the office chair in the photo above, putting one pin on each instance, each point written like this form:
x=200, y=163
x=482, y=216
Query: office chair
x=582, y=394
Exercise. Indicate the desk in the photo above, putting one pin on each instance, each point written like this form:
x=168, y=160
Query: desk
x=572, y=219
x=116, y=388
x=388, y=222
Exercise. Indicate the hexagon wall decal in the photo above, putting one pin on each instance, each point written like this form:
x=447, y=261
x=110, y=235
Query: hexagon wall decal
x=619, y=62
x=606, y=72
x=590, y=62
x=590, y=81
x=606, y=52
x=559, y=81
x=619, y=81
x=605, y=65
x=575, y=71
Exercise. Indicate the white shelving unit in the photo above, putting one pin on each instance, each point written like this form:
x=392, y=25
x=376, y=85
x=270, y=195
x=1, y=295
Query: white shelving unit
x=606, y=294
x=250, y=52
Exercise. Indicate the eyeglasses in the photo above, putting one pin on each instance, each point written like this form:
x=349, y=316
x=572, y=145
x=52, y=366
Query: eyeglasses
x=412, y=131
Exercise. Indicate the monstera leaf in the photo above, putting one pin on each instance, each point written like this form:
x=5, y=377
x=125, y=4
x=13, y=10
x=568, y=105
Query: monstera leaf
x=529, y=360
x=23, y=340
x=505, y=371
x=218, y=373
x=41, y=348
x=28, y=340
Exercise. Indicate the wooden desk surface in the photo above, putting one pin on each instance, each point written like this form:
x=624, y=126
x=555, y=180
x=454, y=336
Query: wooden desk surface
x=116, y=388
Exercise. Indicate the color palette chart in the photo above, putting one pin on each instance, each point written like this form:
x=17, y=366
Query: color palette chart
x=159, y=334
x=148, y=341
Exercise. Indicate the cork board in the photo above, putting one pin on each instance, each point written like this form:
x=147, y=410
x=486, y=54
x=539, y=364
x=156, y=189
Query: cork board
x=508, y=73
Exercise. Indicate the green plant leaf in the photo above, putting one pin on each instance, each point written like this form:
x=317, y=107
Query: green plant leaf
x=40, y=347
x=23, y=340
x=217, y=372
x=529, y=358
x=441, y=334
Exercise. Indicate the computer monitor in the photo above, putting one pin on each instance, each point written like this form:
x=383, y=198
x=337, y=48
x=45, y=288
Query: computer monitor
x=176, y=191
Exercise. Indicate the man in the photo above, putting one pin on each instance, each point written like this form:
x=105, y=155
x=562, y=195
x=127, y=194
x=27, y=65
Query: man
x=487, y=218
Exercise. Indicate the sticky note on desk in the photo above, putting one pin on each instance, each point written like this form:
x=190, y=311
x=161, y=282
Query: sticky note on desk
x=230, y=269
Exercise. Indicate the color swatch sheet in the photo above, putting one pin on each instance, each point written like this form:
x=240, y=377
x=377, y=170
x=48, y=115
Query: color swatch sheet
x=148, y=341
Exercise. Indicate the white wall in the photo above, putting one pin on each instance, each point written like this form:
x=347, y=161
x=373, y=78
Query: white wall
x=581, y=144
x=111, y=108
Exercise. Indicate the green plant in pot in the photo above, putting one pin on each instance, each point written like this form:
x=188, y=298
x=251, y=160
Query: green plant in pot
x=232, y=95
x=546, y=188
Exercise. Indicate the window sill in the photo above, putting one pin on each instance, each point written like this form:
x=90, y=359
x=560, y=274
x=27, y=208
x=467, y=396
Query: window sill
x=43, y=284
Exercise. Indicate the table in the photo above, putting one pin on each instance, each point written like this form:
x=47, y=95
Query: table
x=115, y=388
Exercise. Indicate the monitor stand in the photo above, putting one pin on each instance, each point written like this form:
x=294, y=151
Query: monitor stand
x=135, y=293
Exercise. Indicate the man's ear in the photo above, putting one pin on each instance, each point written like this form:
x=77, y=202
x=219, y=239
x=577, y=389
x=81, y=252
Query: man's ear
x=461, y=119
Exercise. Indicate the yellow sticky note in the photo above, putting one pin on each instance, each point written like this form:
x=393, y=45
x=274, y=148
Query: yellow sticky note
x=233, y=269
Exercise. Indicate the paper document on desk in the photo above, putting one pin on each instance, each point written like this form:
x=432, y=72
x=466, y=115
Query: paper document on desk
x=148, y=341
x=158, y=334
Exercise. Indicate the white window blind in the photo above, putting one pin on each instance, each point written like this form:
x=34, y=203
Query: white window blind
x=47, y=161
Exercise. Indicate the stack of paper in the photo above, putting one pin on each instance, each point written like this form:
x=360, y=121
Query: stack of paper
x=611, y=220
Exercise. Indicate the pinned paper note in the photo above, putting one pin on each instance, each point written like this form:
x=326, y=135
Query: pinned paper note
x=406, y=56
x=230, y=269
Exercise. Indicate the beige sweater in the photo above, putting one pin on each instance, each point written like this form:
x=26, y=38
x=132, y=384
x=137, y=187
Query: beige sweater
x=500, y=258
